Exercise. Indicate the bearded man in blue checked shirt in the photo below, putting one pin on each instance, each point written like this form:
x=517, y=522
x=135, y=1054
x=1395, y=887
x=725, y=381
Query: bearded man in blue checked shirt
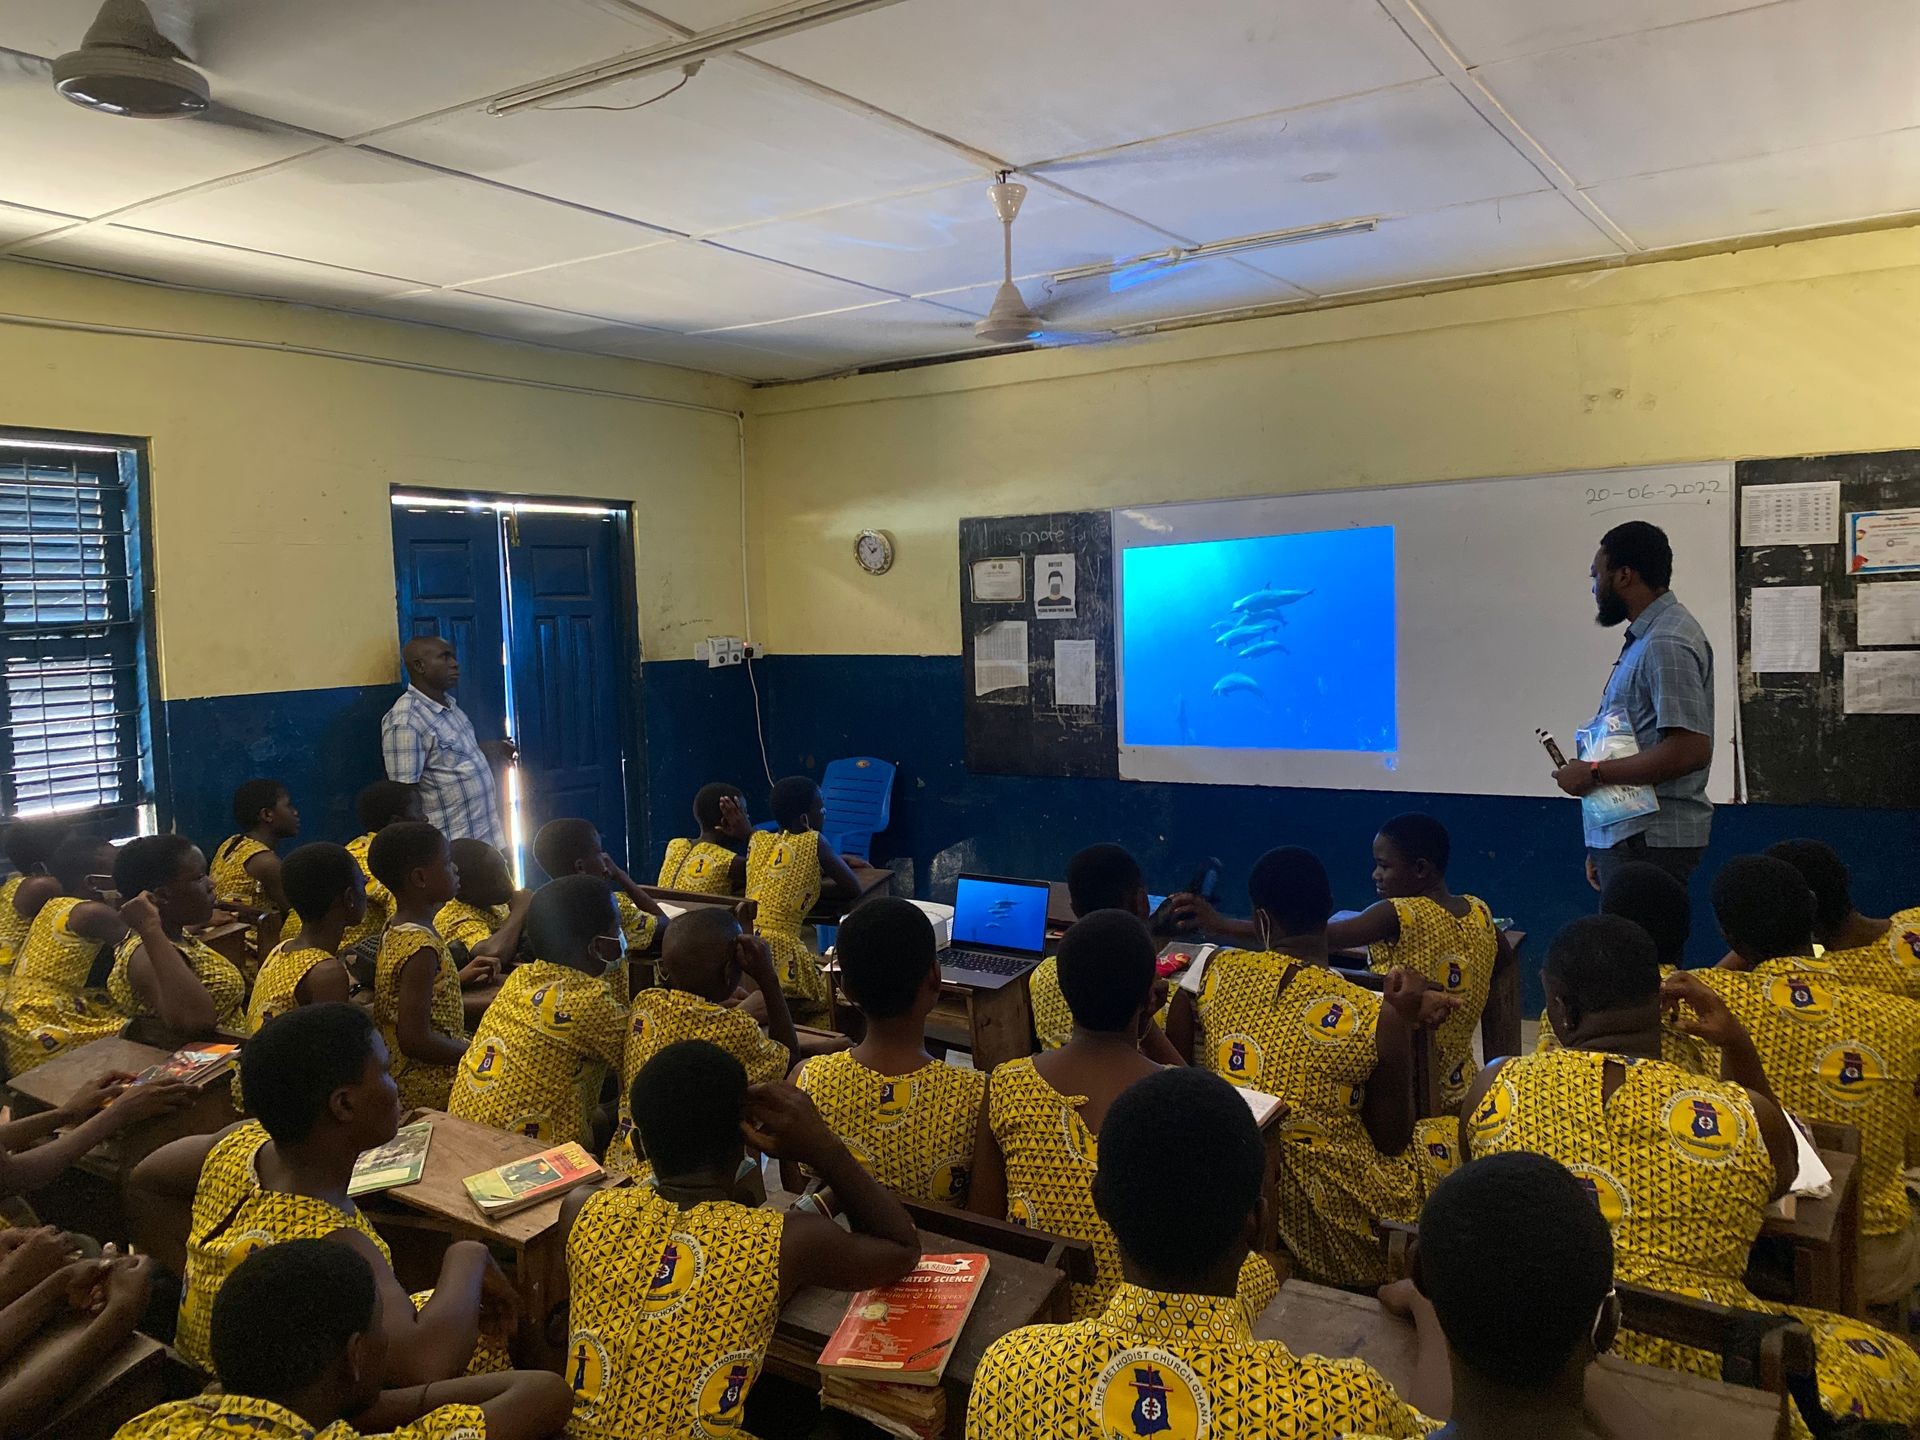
x=428, y=742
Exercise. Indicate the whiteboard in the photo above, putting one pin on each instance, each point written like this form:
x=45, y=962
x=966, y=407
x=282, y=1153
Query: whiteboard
x=1494, y=615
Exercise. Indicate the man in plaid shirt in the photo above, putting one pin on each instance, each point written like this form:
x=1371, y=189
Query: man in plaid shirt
x=428, y=742
x=1663, y=683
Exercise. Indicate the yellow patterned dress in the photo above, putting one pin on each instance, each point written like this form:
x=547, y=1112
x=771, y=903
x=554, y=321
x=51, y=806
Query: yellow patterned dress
x=698, y=866
x=233, y=1216
x=226, y=986
x=462, y=923
x=379, y=903
x=1677, y=1164
x=636, y=924
x=1311, y=1040
x=49, y=1007
x=275, y=990
x=241, y=1417
x=660, y=1018
x=1455, y=952
x=1156, y=1363
x=783, y=876
x=672, y=1311
x=13, y=928
x=420, y=1083
x=1882, y=965
x=539, y=1054
x=231, y=878
x=912, y=1132
x=1052, y=1016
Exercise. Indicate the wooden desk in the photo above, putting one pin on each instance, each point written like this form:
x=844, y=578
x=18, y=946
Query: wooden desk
x=994, y=1026
x=129, y=1382
x=1312, y=1319
x=228, y=937
x=1825, y=1236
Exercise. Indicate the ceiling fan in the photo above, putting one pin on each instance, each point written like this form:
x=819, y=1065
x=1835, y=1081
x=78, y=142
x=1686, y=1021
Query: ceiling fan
x=1009, y=320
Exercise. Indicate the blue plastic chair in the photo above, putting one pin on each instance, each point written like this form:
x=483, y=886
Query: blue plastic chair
x=859, y=796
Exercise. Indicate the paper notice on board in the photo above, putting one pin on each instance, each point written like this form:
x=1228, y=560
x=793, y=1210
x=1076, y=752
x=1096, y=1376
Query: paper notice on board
x=1055, y=588
x=1882, y=541
x=1786, y=630
x=999, y=580
x=1800, y=514
x=1883, y=682
x=1073, y=682
x=1889, y=613
x=1000, y=657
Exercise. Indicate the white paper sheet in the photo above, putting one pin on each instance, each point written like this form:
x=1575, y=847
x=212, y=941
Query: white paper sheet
x=1812, y=1176
x=1786, y=629
x=1000, y=657
x=1802, y=514
x=1882, y=541
x=1889, y=613
x=999, y=580
x=1883, y=682
x=1073, y=682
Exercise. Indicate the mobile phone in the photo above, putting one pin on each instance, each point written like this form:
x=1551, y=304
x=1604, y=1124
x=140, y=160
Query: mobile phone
x=1552, y=747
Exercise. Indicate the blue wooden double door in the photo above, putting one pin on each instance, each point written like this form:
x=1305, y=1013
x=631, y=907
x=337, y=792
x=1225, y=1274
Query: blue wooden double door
x=536, y=608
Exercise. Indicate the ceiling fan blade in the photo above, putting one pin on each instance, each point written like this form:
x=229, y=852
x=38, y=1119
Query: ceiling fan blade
x=17, y=65
x=1052, y=339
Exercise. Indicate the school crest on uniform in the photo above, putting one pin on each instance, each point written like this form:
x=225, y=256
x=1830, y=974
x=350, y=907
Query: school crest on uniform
x=896, y=1099
x=1801, y=996
x=1331, y=1019
x=1704, y=1127
x=678, y=1269
x=1307, y=1134
x=1019, y=1208
x=721, y=1395
x=549, y=1005
x=1850, y=1072
x=1456, y=973
x=485, y=1062
x=948, y=1183
x=586, y=1369
x=1145, y=1392
x=1607, y=1191
x=1866, y=1346
x=1492, y=1115
x=534, y=1124
x=1237, y=1057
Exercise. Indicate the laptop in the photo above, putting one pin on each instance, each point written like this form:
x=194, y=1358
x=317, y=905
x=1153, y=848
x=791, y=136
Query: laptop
x=999, y=931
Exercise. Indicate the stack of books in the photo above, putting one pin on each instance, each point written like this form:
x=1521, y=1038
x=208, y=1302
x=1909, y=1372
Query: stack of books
x=885, y=1360
x=197, y=1065
x=913, y=1412
x=521, y=1183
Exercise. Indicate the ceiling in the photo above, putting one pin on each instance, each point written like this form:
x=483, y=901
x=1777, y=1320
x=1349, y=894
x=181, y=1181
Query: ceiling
x=817, y=203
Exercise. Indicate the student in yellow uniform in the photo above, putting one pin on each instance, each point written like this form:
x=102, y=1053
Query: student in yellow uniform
x=1037, y=1143
x=38, y=1149
x=1834, y=1052
x=57, y=997
x=1681, y=1165
x=1171, y=1351
x=1879, y=954
x=1421, y=925
x=553, y=1032
x=300, y=1342
x=787, y=871
x=74, y=1317
x=674, y=1287
x=245, y=867
x=159, y=969
x=30, y=847
x=323, y=881
x=714, y=862
x=485, y=919
x=574, y=847
x=318, y=1081
x=906, y=1116
x=1281, y=1021
x=702, y=962
x=416, y=989
x=383, y=803
x=1100, y=877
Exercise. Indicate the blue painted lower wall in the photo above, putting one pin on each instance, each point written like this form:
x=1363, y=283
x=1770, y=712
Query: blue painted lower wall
x=1521, y=854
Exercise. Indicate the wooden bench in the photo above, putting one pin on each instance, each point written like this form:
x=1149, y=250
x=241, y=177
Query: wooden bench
x=130, y=1382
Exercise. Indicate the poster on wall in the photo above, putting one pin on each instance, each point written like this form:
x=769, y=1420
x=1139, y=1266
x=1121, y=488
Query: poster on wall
x=1880, y=542
x=1053, y=588
x=1001, y=580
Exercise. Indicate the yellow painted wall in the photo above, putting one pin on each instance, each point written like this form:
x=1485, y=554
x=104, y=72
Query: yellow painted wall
x=1798, y=349
x=270, y=471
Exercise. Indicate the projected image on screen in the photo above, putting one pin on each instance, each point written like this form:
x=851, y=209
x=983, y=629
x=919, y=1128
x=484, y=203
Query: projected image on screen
x=1277, y=642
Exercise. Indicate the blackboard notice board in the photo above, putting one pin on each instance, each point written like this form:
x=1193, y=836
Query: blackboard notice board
x=1024, y=728
x=1801, y=747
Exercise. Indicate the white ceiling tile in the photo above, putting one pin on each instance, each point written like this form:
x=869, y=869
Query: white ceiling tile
x=1417, y=148
x=369, y=212
x=873, y=334
x=18, y=223
x=484, y=314
x=949, y=237
x=1484, y=31
x=735, y=146
x=1030, y=81
x=1776, y=78
x=1513, y=233
x=1138, y=297
x=714, y=354
x=119, y=250
x=683, y=285
x=708, y=14
x=1821, y=185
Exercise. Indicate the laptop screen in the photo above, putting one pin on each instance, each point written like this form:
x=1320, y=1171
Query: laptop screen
x=1003, y=914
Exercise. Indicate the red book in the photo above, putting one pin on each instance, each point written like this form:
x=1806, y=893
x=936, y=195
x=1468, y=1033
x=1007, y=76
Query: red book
x=905, y=1332
x=527, y=1182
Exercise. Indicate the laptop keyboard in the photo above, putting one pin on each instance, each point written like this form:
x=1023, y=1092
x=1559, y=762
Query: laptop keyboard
x=984, y=964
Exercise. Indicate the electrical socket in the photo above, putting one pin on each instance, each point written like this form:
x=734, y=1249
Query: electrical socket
x=723, y=650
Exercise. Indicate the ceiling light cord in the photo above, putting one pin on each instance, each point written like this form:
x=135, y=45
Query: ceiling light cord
x=686, y=75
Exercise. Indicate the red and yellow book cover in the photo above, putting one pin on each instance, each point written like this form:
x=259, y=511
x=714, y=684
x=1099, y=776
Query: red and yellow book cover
x=529, y=1181
x=905, y=1332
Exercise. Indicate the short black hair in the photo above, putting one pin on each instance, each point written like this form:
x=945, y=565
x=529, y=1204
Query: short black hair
x=1166, y=1223
x=563, y=844
x=31, y=844
x=568, y=914
x=1291, y=885
x=1764, y=906
x=792, y=800
x=706, y=802
x=316, y=875
x=1642, y=548
x=1517, y=1259
x=704, y=935
x=1826, y=875
x=1420, y=837
x=1603, y=962
x=401, y=848
x=252, y=797
x=73, y=860
x=283, y=1318
x=1654, y=900
x=294, y=1063
x=687, y=1102
x=148, y=863
x=1105, y=964
x=382, y=803
x=1103, y=877
x=886, y=951
x=474, y=857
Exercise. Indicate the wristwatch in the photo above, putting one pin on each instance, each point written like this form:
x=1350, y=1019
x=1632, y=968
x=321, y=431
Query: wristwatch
x=1593, y=769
